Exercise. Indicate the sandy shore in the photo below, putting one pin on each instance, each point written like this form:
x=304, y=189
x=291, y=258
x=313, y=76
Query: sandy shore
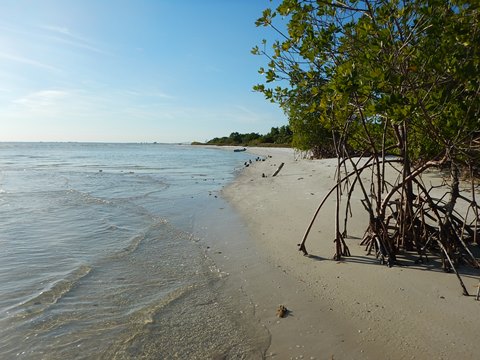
x=354, y=309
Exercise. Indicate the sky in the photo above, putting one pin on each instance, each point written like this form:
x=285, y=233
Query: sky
x=131, y=71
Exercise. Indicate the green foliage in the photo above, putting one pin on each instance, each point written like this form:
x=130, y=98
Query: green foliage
x=378, y=74
x=281, y=136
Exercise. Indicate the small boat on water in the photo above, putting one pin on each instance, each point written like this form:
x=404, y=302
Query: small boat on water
x=239, y=150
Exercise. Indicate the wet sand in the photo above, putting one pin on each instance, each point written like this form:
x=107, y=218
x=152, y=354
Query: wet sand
x=352, y=309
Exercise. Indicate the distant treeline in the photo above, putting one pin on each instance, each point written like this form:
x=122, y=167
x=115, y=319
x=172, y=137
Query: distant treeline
x=278, y=136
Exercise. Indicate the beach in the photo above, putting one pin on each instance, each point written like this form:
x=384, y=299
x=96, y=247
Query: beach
x=350, y=309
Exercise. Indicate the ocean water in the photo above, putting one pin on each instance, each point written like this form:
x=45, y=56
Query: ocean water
x=98, y=256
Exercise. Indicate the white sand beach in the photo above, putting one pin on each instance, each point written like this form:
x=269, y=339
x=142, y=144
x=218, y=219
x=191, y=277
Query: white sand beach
x=352, y=309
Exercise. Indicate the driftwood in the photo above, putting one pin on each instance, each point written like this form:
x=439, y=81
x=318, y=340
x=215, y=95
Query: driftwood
x=278, y=170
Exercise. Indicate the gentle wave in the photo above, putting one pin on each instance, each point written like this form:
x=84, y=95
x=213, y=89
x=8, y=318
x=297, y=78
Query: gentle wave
x=88, y=198
x=134, y=244
x=142, y=319
x=146, y=315
x=48, y=297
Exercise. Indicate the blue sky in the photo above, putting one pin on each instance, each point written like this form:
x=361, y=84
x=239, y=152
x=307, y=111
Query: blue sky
x=131, y=71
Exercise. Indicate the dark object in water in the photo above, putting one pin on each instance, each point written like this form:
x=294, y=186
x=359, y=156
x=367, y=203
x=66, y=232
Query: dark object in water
x=239, y=150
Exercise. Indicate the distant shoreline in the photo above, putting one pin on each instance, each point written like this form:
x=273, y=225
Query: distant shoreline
x=265, y=145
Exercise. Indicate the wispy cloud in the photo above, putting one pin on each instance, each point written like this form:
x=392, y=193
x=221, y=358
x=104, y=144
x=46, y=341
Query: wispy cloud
x=64, y=35
x=162, y=95
x=59, y=34
x=246, y=115
x=27, y=61
x=41, y=99
x=59, y=29
x=85, y=104
x=149, y=94
x=214, y=69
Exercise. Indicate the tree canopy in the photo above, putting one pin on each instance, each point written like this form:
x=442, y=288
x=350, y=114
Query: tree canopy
x=278, y=136
x=367, y=65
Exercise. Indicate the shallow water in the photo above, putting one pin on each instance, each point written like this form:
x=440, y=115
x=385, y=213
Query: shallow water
x=98, y=257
